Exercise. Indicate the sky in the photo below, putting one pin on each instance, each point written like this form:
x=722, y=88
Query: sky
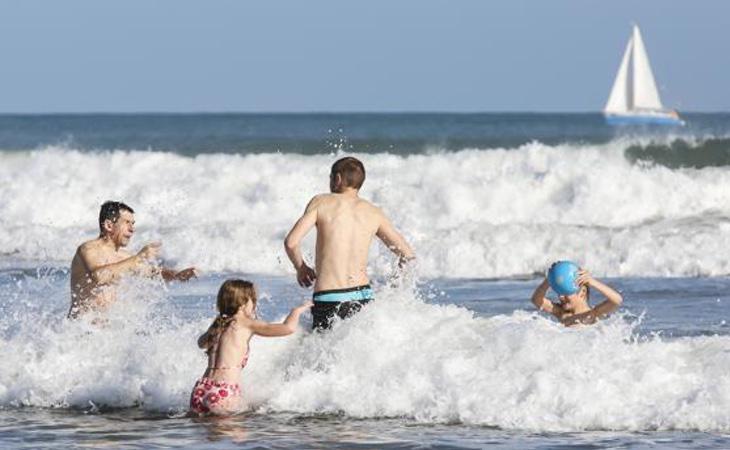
x=375, y=55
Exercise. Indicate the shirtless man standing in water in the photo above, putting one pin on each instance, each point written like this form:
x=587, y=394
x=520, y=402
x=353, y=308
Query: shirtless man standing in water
x=99, y=263
x=346, y=225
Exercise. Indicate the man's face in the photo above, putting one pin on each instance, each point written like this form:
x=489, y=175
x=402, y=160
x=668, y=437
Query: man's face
x=122, y=230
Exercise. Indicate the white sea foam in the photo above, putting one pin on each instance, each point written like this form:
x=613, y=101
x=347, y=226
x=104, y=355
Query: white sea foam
x=439, y=363
x=473, y=213
x=398, y=357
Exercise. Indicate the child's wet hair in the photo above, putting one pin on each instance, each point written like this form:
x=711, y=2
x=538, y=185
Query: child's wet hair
x=232, y=295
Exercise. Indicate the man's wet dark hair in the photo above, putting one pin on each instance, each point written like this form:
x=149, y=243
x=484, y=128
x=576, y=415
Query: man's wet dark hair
x=351, y=170
x=111, y=210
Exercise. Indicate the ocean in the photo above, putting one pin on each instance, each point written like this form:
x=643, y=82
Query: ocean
x=452, y=356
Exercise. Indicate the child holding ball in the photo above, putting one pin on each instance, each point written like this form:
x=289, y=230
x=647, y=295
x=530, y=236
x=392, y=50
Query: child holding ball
x=573, y=286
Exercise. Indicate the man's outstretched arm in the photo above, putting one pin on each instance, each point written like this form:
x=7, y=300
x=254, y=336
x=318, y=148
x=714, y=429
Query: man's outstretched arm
x=305, y=274
x=108, y=273
x=394, y=241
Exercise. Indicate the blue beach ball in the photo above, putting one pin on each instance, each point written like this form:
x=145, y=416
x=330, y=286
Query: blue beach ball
x=561, y=277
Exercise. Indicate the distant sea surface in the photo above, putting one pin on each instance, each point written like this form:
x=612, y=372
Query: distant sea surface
x=401, y=134
x=452, y=357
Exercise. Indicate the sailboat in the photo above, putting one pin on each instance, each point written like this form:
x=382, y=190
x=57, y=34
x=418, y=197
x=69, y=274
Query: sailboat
x=634, y=97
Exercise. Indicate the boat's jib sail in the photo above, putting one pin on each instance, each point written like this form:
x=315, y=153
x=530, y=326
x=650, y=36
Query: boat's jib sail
x=619, y=101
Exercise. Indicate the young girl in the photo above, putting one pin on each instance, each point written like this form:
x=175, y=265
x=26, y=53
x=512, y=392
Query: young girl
x=226, y=343
x=574, y=309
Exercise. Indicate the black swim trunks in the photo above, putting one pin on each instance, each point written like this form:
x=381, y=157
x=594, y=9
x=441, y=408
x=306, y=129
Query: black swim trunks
x=342, y=303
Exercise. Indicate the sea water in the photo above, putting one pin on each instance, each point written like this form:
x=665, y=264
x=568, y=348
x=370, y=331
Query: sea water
x=452, y=355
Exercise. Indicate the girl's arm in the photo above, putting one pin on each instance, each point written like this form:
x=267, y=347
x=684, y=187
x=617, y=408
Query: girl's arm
x=542, y=303
x=287, y=327
x=613, y=298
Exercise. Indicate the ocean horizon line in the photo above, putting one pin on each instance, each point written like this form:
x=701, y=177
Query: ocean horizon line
x=316, y=112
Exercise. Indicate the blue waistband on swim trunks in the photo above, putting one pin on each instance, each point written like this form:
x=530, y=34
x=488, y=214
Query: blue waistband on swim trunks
x=360, y=293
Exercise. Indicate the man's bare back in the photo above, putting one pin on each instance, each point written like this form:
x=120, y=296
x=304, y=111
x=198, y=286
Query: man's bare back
x=346, y=225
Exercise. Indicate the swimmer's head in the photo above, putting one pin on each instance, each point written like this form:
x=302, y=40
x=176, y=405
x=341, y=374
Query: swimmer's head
x=572, y=302
x=116, y=222
x=236, y=294
x=346, y=173
x=233, y=296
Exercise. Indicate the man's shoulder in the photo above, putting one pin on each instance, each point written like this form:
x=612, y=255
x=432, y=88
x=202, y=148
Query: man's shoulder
x=87, y=246
x=323, y=197
x=368, y=206
x=320, y=200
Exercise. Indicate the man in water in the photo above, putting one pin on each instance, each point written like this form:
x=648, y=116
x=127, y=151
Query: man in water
x=345, y=225
x=101, y=262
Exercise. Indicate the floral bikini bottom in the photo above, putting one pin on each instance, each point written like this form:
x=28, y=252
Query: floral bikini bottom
x=210, y=395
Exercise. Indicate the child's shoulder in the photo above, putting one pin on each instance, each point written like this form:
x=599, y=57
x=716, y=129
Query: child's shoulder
x=242, y=323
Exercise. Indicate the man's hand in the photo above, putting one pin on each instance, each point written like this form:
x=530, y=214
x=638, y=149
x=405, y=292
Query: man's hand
x=404, y=260
x=150, y=251
x=186, y=274
x=403, y=271
x=305, y=275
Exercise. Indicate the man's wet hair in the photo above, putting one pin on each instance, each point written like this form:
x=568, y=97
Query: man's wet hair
x=351, y=170
x=111, y=210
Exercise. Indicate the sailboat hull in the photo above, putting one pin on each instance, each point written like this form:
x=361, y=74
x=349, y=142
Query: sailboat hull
x=643, y=119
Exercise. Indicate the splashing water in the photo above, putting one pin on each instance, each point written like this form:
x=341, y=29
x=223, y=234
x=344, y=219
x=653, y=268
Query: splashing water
x=399, y=357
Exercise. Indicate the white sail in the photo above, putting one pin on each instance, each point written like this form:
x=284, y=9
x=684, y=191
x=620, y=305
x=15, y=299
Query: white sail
x=620, y=99
x=634, y=97
x=645, y=92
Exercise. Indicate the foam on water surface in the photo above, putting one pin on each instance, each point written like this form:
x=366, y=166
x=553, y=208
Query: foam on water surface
x=400, y=357
x=474, y=213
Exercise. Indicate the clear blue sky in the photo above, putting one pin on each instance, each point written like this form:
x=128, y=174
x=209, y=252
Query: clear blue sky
x=375, y=55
